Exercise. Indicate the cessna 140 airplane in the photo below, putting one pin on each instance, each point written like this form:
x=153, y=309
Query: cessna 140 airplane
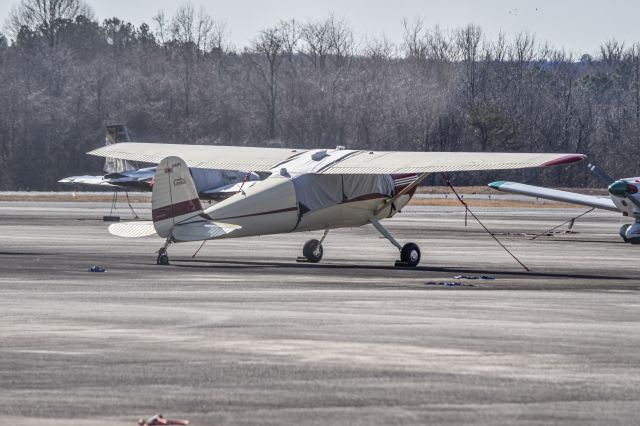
x=307, y=190
x=624, y=197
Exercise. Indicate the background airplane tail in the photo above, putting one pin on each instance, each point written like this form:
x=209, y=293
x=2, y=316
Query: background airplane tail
x=116, y=133
x=174, y=199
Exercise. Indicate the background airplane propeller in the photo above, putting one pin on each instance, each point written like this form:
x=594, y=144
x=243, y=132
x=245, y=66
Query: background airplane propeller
x=600, y=174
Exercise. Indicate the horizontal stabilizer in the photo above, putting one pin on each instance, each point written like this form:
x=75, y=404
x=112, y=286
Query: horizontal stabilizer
x=132, y=229
x=555, y=195
x=203, y=230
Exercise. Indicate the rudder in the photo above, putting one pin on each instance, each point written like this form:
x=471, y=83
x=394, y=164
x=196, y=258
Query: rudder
x=174, y=199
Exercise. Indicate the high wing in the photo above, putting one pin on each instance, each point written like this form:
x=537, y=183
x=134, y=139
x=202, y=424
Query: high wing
x=397, y=162
x=201, y=156
x=555, y=195
x=346, y=161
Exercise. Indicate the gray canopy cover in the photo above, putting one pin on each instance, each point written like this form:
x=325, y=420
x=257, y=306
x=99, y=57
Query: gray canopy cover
x=316, y=192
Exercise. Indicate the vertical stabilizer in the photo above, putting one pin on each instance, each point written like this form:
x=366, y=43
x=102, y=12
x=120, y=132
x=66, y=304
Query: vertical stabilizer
x=174, y=199
x=113, y=134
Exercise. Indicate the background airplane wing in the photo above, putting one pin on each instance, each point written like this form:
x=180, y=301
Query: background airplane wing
x=555, y=195
x=394, y=162
x=201, y=156
x=86, y=180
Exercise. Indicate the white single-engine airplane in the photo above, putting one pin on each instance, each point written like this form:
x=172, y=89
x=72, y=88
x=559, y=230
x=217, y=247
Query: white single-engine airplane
x=623, y=197
x=307, y=190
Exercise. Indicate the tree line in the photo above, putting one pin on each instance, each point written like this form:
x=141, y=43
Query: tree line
x=310, y=84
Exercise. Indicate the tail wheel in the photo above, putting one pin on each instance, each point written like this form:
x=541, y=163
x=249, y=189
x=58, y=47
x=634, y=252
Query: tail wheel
x=410, y=254
x=312, y=251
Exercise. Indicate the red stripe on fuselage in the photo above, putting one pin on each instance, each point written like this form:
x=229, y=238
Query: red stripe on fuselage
x=289, y=209
x=174, y=210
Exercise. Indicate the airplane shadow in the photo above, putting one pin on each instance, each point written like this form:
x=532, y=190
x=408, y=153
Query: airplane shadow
x=276, y=267
x=567, y=240
x=19, y=253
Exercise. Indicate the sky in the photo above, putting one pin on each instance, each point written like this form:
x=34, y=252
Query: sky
x=579, y=26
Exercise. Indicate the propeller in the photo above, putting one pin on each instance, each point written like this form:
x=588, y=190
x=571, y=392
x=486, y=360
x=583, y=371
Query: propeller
x=600, y=174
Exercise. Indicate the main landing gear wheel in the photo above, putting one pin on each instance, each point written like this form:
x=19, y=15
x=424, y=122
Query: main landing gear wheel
x=312, y=251
x=410, y=254
x=163, y=257
x=623, y=232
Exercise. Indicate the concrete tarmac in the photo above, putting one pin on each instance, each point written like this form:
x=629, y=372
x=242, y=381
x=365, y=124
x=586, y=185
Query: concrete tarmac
x=243, y=334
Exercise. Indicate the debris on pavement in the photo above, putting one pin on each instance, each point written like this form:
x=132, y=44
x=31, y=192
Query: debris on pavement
x=159, y=419
x=474, y=277
x=448, y=284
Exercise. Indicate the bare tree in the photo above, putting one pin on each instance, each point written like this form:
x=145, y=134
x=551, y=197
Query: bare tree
x=290, y=35
x=611, y=51
x=340, y=37
x=192, y=28
x=440, y=46
x=45, y=15
x=632, y=56
x=497, y=50
x=524, y=48
x=318, y=42
x=162, y=27
x=468, y=42
x=413, y=39
x=219, y=41
x=522, y=52
x=380, y=49
x=269, y=48
x=193, y=33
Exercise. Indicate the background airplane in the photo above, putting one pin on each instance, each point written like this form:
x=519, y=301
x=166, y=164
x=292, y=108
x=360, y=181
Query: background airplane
x=623, y=197
x=211, y=184
x=307, y=190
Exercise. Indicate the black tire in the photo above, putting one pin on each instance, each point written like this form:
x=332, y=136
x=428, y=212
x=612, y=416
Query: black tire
x=635, y=240
x=312, y=251
x=410, y=254
x=163, y=259
x=623, y=232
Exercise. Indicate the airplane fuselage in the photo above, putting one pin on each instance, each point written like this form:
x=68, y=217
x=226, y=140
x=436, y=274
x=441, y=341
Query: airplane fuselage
x=272, y=206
